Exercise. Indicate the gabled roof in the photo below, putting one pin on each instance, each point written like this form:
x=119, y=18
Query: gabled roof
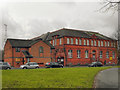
x=19, y=42
x=26, y=43
x=73, y=33
x=27, y=54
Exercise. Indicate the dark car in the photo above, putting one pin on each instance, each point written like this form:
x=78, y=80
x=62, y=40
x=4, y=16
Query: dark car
x=53, y=65
x=5, y=65
x=95, y=64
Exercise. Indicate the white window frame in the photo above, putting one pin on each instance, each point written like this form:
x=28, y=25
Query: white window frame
x=113, y=54
x=91, y=42
x=76, y=41
x=80, y=42
x=107, y=54
x=70, y=53
x=108, y=43
x=71, y=40
x=78, y=53
x=87, y=42
x=86, y=54
x=95, y=43
x=105, y=43
x=68, y=41
x=101, y=54
x=84, y=42
x=101, y=43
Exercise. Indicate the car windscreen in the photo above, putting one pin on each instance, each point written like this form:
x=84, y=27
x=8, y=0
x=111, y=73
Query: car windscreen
x=35, y=63
x=93, y=62
x=5, y=63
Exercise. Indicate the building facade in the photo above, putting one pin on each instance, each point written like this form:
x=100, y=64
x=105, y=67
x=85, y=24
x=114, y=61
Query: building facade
x=75, y=47
x=66, y=46
x=18, y=52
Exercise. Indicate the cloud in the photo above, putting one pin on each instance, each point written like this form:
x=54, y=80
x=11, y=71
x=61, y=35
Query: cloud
x=32, y=19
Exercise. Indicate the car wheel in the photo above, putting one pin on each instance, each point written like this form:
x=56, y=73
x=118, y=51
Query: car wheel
x=8, y=68
x=62, y=67
x=24, y=67
x=37, y=67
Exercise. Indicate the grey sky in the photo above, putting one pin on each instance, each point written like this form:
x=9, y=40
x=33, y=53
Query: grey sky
x=31, y=19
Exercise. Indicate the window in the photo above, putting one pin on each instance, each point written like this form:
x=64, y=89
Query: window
x=60, y=41
x=113, y=54
x=107, y=54
x=101, y=43
x=108, y=44
x=114, y=44
x=111, y=44
x=86, y=54
x=71, y=40
x=77, y=41
x=105, y=43
x=53, y=42
x=69, y=53
x=41, y=49
x=84, y=42
x=95, y=43
x=17, y=49
x=91, y=42
x=87, y=42
x=78, y=53
x=68, y=41
x=101, y=54
x=80, y=42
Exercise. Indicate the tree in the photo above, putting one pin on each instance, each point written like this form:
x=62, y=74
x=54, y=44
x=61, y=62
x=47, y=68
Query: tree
x=115, y=6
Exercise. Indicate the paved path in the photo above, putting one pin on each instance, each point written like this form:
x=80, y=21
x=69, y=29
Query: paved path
x=108, y=78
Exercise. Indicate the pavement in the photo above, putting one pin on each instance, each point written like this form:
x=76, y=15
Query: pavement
x=108, y=78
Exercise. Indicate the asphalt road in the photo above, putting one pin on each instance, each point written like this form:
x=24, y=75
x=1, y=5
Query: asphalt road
x=108, y=78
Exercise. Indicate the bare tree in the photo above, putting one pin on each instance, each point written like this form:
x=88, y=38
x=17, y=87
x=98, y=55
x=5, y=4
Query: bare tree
x=115, y=6
x=109, y=5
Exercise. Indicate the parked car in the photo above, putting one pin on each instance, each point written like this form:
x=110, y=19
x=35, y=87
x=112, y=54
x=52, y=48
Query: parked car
x=5, y=65
x=30, y=65
x=95, y=64
x=53, y=65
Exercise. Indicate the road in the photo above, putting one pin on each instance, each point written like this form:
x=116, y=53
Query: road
x=108, y=78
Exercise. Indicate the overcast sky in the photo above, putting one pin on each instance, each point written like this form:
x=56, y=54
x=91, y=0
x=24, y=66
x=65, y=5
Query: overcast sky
x=31, y=19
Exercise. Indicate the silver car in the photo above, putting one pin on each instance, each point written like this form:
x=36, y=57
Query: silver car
x=5, y=65
x=30, y=65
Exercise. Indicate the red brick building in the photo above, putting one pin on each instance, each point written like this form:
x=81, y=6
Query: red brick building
x=81, y=47
x=66, y=46
x=18, y=51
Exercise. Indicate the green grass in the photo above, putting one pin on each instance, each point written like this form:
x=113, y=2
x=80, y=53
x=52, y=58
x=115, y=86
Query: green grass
x=77, y=77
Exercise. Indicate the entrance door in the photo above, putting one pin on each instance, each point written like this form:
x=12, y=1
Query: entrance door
x=60, y=60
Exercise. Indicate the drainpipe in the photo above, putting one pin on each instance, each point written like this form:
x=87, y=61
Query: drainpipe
x=64, y=49
x=12, y=57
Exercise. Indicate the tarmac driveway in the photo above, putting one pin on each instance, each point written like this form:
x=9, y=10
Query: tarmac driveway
x=108, y=78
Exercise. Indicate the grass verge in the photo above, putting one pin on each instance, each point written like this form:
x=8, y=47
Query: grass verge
x=77, y=77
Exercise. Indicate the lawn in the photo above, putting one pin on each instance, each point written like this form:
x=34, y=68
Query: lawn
x=77, y=77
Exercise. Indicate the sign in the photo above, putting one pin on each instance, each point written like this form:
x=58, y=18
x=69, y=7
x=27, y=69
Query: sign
x=17, y=59
x=110, y=58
